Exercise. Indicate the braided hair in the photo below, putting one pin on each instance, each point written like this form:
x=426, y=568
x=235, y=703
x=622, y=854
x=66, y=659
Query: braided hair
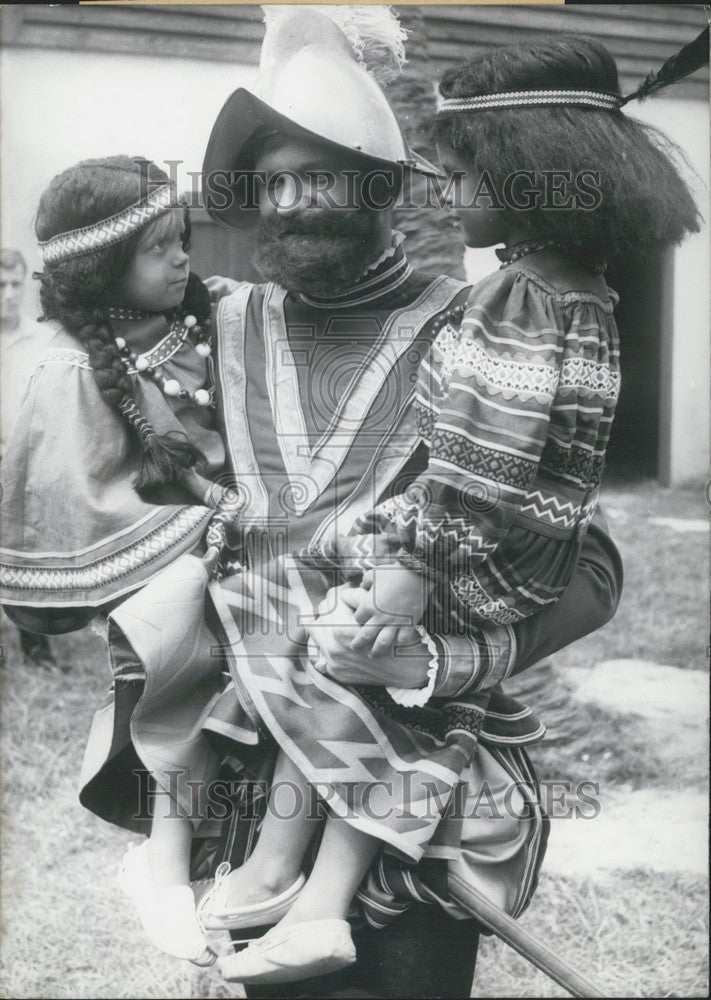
x=76, y=292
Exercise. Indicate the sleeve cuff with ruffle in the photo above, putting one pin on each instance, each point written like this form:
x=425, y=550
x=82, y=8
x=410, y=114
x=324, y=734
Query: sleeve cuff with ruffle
x=417, y=697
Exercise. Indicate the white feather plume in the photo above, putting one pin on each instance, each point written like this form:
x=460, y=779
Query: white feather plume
x=373, y=32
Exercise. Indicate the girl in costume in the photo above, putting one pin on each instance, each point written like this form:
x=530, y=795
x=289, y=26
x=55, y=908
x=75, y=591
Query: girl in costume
x=516, y=403
x=117, y=446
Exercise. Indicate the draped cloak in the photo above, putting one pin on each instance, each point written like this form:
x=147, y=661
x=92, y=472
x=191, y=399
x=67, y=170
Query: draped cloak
x=75, y=531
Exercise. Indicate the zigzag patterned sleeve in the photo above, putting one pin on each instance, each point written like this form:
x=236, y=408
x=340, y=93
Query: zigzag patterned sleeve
x=484, y=397
x=487, y=655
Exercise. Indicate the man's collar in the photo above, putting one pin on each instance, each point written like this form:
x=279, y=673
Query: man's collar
x=396, y=241
x=380, y=278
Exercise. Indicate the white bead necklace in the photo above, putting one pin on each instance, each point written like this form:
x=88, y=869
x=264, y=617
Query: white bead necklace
x=150, y=362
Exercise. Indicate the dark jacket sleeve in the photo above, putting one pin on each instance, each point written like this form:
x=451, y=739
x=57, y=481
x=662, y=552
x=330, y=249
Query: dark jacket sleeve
x=479, y=659
x=589, y=602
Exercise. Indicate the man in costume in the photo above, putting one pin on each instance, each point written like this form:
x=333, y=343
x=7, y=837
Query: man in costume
x=22, y=343
x=315, y=384
x=328, y=348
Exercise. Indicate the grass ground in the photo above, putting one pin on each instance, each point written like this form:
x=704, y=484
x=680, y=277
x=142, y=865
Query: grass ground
x=663, y=617
x=66, y=933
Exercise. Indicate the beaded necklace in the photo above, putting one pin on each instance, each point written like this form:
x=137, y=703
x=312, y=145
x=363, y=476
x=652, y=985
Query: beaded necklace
x=448, y=318
x=144, y=365
x=508, y=255
x=128, y=314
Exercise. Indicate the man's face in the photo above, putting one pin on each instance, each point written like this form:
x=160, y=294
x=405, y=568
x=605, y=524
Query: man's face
x=314, y=233
x=12, y=285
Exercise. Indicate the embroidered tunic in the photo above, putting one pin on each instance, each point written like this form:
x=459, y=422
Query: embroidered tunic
x=337, y=379
x=317, y=405
x=516, y=409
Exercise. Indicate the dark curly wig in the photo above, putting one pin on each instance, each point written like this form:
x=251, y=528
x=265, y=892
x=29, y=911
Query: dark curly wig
x=644, y=202
x=77, y=292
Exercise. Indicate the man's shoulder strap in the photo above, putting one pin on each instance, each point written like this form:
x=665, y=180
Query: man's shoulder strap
x=438, y=295
x=235, y=301
x=454, y=285
x=232, y=309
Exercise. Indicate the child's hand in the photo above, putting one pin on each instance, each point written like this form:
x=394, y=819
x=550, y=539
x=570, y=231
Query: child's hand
x=330, y=653
x=396, y=599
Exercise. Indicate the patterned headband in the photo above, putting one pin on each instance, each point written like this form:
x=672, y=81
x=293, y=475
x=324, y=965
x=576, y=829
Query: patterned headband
x=533, y=98
x=112, y=230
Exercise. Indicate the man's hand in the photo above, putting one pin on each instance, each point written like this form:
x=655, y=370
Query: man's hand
x=394, y=597
x=331, y=653
x=219, y=287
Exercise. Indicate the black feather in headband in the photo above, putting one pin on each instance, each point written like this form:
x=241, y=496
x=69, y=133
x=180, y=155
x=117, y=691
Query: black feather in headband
x=687, y=60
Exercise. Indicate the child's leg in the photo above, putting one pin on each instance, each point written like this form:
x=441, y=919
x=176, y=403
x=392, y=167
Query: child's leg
x=313, y=938
x=169, y=844
x=344, y=857
x=277, y=859
x=156, y=877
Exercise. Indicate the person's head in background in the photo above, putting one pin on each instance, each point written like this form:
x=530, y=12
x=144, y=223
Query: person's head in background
x=13, y=271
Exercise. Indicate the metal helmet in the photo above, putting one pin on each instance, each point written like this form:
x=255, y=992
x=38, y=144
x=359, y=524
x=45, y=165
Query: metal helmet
x=313, y=86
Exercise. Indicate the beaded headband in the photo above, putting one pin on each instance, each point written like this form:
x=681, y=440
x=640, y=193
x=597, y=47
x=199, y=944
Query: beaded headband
x=112, y=230
x=533, y=98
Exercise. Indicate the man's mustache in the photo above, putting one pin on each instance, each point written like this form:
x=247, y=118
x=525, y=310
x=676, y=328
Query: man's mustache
x=313, y=251
x=327, y=225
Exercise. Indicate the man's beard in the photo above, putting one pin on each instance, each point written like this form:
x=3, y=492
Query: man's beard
x=317, y=254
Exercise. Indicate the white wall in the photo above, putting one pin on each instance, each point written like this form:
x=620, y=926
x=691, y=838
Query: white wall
x=687, y=122
x=62, y=107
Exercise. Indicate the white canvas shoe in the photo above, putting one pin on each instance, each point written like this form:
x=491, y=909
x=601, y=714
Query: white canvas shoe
x=167, y=915
x=213, y=913
x=287, y=954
